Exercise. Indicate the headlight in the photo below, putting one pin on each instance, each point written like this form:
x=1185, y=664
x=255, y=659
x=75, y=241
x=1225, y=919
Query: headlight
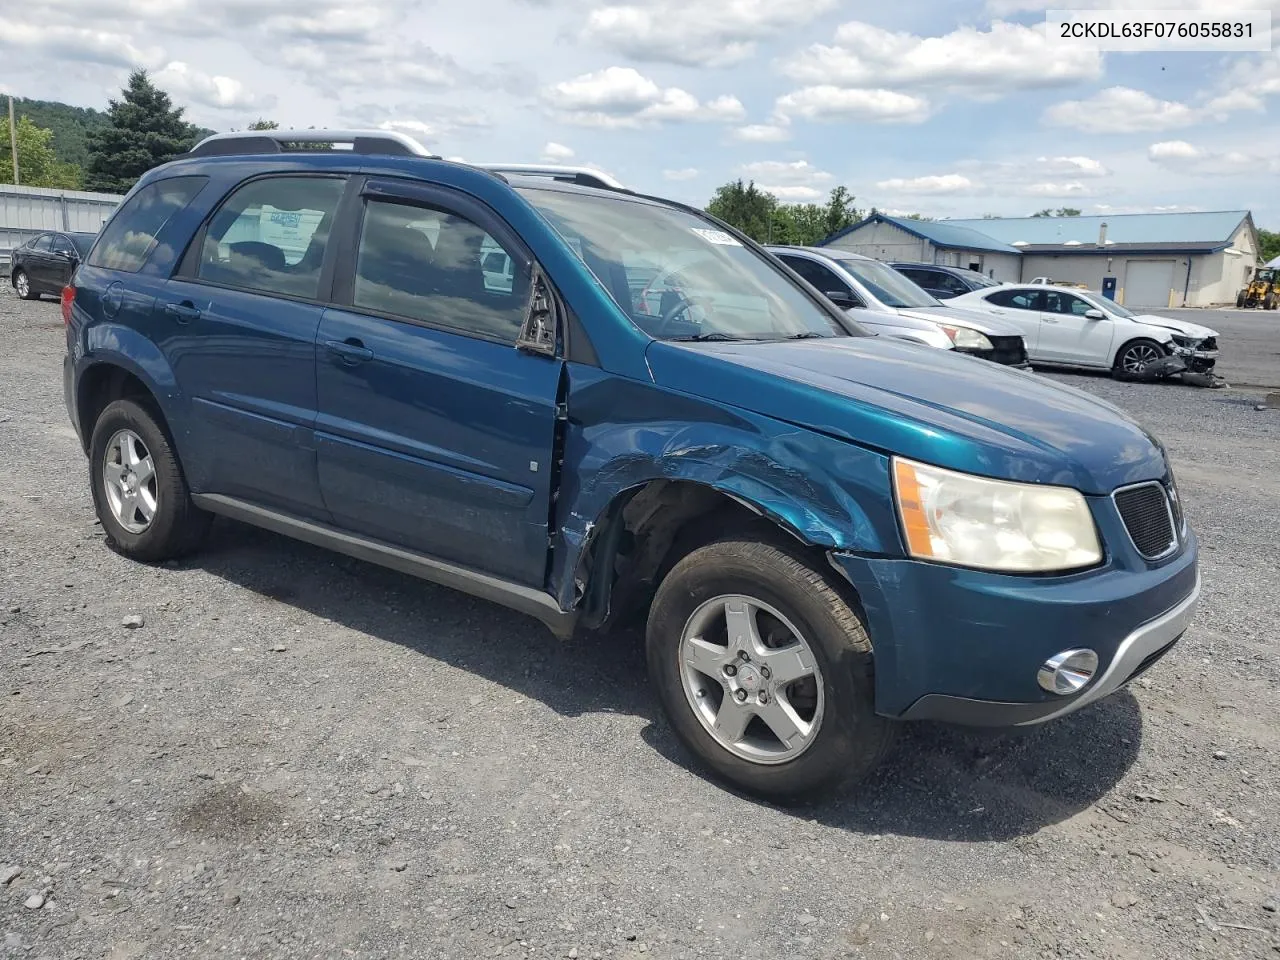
x=992, y=524
x=1186, y=343
x=966, y=339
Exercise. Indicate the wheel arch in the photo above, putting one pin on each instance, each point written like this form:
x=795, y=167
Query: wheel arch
x=1130, y=340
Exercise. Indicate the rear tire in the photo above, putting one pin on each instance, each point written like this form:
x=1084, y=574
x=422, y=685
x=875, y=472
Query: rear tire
x=1240, y=299
x=1269, y=302
x=1135, y=355
x=22, y=284
x=800, y=623
x=139, y=491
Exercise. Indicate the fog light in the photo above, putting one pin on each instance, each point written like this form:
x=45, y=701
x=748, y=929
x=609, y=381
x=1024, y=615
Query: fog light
x=1068, y=671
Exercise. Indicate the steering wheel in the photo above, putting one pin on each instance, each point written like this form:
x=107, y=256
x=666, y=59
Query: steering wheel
x=669, y=317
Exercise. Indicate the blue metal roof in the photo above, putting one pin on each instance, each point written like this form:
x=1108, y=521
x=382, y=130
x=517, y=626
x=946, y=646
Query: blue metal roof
x=947, y=234
x=1211, y=229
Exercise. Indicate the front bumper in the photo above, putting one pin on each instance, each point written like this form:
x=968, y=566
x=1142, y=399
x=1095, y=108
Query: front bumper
x=965, y=645
x=1009, y=351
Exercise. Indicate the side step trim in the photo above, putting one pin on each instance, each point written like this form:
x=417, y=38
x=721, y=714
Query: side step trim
x=527, y=600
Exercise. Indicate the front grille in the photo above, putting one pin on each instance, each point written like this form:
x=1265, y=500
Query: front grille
x=1144, y=508
x=1006, y=350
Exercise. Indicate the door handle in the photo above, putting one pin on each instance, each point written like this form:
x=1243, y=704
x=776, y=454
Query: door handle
x=351, y=350
x=182, y=312
x=1048, y=320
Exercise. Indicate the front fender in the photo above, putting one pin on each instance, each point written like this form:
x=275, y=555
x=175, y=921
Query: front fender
x=622, y=434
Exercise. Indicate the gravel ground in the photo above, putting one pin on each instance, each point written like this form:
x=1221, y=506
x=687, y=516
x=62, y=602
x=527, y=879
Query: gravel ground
x=301, y=756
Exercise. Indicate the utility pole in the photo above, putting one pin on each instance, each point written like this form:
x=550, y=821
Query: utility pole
x=13, y=141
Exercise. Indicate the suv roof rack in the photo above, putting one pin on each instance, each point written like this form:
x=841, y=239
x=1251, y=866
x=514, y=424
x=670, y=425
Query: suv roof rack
x=241, y=142
x=582, y=176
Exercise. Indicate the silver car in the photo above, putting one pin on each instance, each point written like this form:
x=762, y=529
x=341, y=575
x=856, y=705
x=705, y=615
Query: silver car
x=880, y=298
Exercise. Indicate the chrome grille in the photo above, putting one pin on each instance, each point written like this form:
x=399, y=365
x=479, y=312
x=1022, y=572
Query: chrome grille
x=1144, y=508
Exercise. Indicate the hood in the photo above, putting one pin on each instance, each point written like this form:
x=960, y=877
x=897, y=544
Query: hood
x=963, y=317
x=935, y=406
x=899, y=319
x=1177, y=326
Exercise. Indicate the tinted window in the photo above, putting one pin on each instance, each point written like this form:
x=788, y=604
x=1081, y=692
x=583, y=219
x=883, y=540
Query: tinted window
x=945, y=281
x=428, y=265
x=922, y=277
x=43, y=244
x=130, y=236
x=62, y=245
x=1017, y=299
x=1057, y=302
x=83, y=242
x=270, y=234
x=818, y=275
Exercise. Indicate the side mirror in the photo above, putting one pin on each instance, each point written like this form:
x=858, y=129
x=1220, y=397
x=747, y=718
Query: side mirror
x=1095, y=314
x=538, y=332
x=842, y=299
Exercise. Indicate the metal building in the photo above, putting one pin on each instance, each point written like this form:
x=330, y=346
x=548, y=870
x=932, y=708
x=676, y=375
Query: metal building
x=26, y=212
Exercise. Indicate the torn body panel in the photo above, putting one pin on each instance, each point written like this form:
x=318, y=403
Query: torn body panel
x=623, y=435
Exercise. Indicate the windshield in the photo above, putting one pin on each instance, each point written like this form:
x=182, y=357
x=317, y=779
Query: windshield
x=887, y=285
x=1109, y=306
x=679, y=277
x=983, y=281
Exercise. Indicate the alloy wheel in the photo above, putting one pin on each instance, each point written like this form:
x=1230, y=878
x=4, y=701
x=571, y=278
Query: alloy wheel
x=22, y=284
x=1138, y=356
x=129, y=480
x=751, y=679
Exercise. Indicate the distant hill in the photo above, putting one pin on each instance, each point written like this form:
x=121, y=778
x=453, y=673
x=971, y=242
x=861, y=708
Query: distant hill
x=71, y=126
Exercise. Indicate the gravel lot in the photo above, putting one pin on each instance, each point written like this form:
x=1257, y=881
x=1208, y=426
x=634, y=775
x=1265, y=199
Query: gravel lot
x=299, y=755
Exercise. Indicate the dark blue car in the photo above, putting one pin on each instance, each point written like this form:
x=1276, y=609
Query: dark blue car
x=827, y=531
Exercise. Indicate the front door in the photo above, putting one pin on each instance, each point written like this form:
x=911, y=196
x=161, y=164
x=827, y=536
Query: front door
x=39, y=265
x=1068, y=336
x=435, y=432
x=1023, y=309
x=240, y=321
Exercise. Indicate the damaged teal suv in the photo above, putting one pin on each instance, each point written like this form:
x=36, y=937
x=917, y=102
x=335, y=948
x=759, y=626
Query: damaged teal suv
x=468, y=374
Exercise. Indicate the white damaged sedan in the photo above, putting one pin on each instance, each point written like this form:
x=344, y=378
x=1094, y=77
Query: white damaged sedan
x=1082, y=328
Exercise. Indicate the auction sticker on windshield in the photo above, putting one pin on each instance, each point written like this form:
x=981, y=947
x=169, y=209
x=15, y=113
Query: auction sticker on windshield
x=716, y=236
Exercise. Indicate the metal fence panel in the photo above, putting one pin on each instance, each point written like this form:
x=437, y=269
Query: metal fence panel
x=26, y=212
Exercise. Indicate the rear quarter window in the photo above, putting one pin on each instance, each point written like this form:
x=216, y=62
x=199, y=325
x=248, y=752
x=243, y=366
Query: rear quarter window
x=129, y=238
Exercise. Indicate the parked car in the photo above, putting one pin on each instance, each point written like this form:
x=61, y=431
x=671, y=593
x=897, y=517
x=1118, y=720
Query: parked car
x=875, y=296
x=44, y=264
x=1082, y=328
x=827, y=531
x=944, y=282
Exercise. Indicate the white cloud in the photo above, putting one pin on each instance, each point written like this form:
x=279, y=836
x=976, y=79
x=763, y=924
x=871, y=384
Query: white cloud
x=1180, y=156
x=825, y=102
x=1121, y=110
x=414, y=128
x=221, y=93
x=696, y=33
x=1071, y=189
x=784, y=172
x=762, y=133
x=77, y=44
x=624, y=97
x=940, y=184
x=1124, y=110
x=1004, y=7
x=1004, y=58
x=791, y=193
x=556, y=152
x=687, y=173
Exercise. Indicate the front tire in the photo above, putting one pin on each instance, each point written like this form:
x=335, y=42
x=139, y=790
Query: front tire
x=22, y=284
x=765, y=671
x=1135, y=355
x=139, y=491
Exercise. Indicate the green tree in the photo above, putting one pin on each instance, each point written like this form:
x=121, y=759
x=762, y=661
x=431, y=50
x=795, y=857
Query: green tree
x=839, y=212
x=261, y=124
x=146, y=130
x=917, y=216
x=746, y=207
x=1060, y=212
x=1268, y=245
x=38, y=165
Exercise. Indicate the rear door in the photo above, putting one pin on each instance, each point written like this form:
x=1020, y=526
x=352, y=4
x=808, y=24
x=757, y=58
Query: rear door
x=435, y=432
x=242, y=314
x=1022, y=308
x=1068, y=336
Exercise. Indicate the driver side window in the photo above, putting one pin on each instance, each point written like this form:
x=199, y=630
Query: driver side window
x=825, y=280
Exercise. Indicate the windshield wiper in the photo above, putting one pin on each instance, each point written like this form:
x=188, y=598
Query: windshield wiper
x=806, y=336
x=706, y=337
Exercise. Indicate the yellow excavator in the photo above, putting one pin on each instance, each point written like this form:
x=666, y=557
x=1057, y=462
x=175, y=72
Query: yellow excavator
x=1263, y=290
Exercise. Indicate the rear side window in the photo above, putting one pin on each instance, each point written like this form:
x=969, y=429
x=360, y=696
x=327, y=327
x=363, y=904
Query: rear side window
x=127, y=241
x=43, y=244
x=270, y=235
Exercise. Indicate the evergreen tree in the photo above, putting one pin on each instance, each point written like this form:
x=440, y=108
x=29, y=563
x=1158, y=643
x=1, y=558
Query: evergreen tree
x=146, y=130
x=38, y=165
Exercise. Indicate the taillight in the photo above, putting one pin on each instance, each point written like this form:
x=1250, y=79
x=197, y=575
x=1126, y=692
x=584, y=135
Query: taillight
x=68, y=298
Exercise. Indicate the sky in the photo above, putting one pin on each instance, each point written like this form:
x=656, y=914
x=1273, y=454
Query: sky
x=949, y=108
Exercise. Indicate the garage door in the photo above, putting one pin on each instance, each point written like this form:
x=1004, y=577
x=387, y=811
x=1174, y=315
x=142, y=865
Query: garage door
x=1147, y=283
